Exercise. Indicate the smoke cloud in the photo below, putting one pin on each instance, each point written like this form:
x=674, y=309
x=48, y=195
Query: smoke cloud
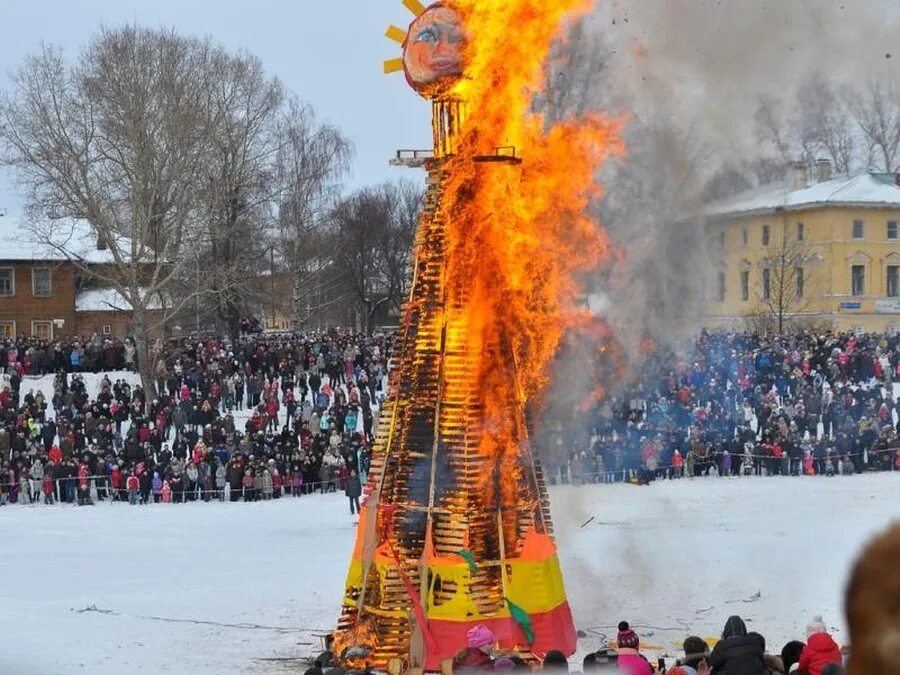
x=689, y=75
x=706, y=63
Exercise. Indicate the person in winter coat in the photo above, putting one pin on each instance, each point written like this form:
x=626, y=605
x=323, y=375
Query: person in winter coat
x=277, y=483
x=36, y=474
x=156, y=487
x=84, y=485
x=476, y=656
x=48, y=488
x=820, y=649
x=133, y=485
x=353, y=492
x=630, y=660
x=247, y=486
x=266, y=484
x=220, y=478
x=191, y=476
x=695, y=651
x=166, y=492
x=738, y=653
x=677, y=464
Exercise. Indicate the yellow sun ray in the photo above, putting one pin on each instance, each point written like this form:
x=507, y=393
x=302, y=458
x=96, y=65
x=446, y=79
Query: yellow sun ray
x=414, y=6
x=396, y=34
x=393, y=66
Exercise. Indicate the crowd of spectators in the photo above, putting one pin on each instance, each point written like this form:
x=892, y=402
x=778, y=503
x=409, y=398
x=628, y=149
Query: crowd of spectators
x=736, y=404
x=307, y=407
x=741, y=649
x=738, y=652
x=741, y=404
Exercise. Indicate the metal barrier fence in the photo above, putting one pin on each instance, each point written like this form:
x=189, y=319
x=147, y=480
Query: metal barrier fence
x=69, y=490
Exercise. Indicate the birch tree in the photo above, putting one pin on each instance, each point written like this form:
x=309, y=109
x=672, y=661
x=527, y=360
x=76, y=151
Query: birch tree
x=312, y=160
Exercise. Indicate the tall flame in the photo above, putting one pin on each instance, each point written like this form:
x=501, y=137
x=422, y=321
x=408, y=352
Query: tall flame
x=519, y=237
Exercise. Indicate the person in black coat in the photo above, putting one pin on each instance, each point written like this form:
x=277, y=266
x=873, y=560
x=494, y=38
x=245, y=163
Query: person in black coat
x=353, y=492
x=738, y=653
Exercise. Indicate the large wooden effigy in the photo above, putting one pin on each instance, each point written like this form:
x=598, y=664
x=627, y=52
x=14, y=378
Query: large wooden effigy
x=440, y=548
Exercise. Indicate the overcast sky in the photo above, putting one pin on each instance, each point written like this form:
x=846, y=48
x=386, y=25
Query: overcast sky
x=328, y=52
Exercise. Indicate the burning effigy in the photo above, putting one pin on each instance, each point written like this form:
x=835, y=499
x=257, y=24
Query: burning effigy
x=455, y=531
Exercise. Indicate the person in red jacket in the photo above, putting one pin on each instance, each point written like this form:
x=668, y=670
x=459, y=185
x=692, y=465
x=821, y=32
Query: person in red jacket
x=84, y=486
x=820, y=649
x=115, y=480
x=48, y=488
x=133, y=485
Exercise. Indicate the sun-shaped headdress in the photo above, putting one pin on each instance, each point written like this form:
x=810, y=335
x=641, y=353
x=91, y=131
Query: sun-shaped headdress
x=432, y=48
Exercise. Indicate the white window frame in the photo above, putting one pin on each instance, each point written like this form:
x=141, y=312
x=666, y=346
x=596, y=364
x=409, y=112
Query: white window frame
x=34, y=292
x=862, y=228
x=8, y=322
x=106, y=329
x=887, y=230
x=12, y=282
x=39, y=322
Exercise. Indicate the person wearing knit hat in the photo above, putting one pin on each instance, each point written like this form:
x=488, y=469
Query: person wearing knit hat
x=820, y=649
x=817, y=625
x=627, y=638
x=480, y=637
x=477, y=654
x=630, y=660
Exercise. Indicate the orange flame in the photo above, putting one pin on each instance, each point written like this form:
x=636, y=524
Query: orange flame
x=518, y=237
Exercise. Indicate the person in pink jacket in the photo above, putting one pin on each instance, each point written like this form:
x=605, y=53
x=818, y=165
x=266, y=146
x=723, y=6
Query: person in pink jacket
x=630, y=660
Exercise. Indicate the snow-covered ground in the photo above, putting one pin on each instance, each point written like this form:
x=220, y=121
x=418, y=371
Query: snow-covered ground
x=241, y=588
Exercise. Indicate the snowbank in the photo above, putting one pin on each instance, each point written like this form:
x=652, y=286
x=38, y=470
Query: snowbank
x=679, y=556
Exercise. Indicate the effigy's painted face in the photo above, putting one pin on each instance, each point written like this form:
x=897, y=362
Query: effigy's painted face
x=433, y=49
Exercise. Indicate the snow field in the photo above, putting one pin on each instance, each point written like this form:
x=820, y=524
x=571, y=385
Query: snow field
x=241, y=588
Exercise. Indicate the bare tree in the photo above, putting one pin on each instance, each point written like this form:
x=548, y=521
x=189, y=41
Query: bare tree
x=396, y=243
x=817, y=124
x=245, y=105
x=360, y=222
x=788, y=284
x=877, y=111
x=119, y=140
x=823, y=125
x=372, y=234
x=770, y=128
x=311, y=161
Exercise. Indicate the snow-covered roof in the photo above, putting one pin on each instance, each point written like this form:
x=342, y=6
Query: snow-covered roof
x=66, y=239
x=868, y=190
x=107, y=300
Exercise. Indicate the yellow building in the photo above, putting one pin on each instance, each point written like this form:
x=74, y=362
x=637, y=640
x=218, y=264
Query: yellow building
x=807, y=254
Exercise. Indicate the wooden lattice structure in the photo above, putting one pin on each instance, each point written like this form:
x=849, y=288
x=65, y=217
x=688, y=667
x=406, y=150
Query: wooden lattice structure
x=426, y=508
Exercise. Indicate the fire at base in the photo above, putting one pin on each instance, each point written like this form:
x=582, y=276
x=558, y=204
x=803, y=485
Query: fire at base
x=455, y=530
